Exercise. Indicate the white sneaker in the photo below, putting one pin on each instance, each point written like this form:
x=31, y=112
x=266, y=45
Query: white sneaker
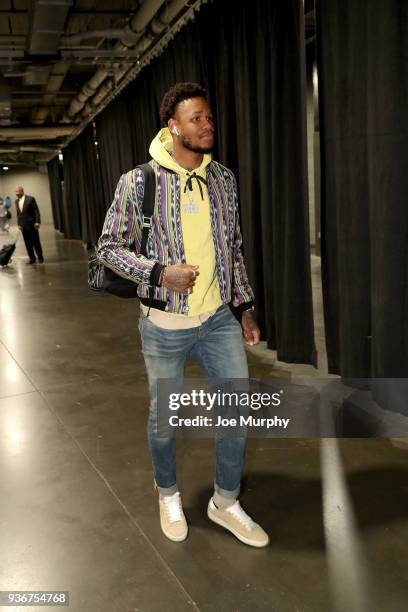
x=237, y=521
x=172, y=519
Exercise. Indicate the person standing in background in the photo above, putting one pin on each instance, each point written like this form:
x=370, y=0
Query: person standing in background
x=29, y=221
x=4, y=218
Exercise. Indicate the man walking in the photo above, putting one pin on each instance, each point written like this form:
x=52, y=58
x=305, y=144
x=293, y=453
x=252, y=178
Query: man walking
x=193, y=271
x=29, y=221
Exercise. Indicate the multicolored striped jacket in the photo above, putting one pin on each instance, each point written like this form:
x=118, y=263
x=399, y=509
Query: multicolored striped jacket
x=119, y=244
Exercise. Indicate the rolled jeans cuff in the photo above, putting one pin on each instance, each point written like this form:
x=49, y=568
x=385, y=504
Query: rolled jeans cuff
x=225, y=493
x=166, y=491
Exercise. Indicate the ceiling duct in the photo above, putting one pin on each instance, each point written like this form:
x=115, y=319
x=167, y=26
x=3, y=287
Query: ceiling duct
x=48, y=21
x=12, y=53
x=35, y=133
x=55, y=81
x=137, y=26
x=36, y=75
x=12, y=41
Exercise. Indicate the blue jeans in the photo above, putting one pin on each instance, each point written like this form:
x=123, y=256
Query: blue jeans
x=217, y=346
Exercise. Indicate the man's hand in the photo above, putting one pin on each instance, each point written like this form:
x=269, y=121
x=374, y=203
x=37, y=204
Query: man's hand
x=37, y=225
x=180, y=277
x=250, y=329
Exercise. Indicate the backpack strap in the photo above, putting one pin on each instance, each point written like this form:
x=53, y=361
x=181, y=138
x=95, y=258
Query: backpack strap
x=148, y=203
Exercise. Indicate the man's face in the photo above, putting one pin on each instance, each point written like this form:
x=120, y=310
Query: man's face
x=194, y=120
x=19, y=192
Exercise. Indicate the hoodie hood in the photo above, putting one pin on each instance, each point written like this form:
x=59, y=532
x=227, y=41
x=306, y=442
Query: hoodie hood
x=161, y=148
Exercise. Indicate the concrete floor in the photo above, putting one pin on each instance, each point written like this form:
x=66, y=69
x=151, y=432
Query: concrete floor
x=78, y=512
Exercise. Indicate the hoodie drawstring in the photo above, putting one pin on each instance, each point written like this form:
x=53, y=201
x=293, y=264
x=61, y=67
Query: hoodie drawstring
x=189, y=183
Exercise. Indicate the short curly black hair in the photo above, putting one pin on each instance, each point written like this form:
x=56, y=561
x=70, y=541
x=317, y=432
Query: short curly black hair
x=176, y=94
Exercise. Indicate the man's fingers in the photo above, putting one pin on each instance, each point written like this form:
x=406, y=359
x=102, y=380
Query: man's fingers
x=252, y=336
x=249, y=339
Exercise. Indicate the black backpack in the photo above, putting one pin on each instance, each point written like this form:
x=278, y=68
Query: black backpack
x=100, y=277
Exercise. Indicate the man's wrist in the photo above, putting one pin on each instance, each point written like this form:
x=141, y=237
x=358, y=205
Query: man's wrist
x=250, y=309
x=155, y=274
x=241, y=308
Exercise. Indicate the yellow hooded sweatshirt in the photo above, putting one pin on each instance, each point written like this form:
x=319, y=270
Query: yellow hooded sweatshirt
x=196, y=226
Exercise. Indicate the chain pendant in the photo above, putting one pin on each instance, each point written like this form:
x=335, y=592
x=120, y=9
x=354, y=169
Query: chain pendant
x=190, y=208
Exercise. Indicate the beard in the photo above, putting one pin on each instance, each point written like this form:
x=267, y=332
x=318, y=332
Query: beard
x=196, y=149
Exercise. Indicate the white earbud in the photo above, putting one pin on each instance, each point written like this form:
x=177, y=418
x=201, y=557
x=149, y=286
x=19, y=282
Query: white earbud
x=176, y=132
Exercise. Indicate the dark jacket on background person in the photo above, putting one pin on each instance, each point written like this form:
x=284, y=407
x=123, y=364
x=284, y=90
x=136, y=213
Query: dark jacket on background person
x=30, y=214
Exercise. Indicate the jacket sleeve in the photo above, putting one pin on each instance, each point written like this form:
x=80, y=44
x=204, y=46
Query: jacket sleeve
x=242, y=294
x=36, y=211
x=120, y=241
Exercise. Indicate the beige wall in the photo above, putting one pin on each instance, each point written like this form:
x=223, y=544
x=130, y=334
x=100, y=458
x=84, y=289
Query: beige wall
x=34, y=183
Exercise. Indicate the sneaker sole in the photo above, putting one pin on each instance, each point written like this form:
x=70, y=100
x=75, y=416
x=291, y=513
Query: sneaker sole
x=175, y=538
x=240, y=537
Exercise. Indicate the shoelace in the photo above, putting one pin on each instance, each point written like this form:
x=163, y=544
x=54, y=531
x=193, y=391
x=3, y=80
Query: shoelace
x=239, y=513
x=174, y=510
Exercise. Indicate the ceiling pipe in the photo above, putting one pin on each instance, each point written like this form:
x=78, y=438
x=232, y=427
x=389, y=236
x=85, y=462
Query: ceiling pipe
x=101, y=94
x=161, y=22
x=36, y=149
x=157, y=26
x=137, y=26
x=126, y=35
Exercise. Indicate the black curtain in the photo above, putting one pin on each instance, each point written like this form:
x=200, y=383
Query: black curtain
x=363, y=100
x=264, y=139
x=114, y=144
x=250, y=56
x=84, y=201
x=54, y=176
x=71, y=210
